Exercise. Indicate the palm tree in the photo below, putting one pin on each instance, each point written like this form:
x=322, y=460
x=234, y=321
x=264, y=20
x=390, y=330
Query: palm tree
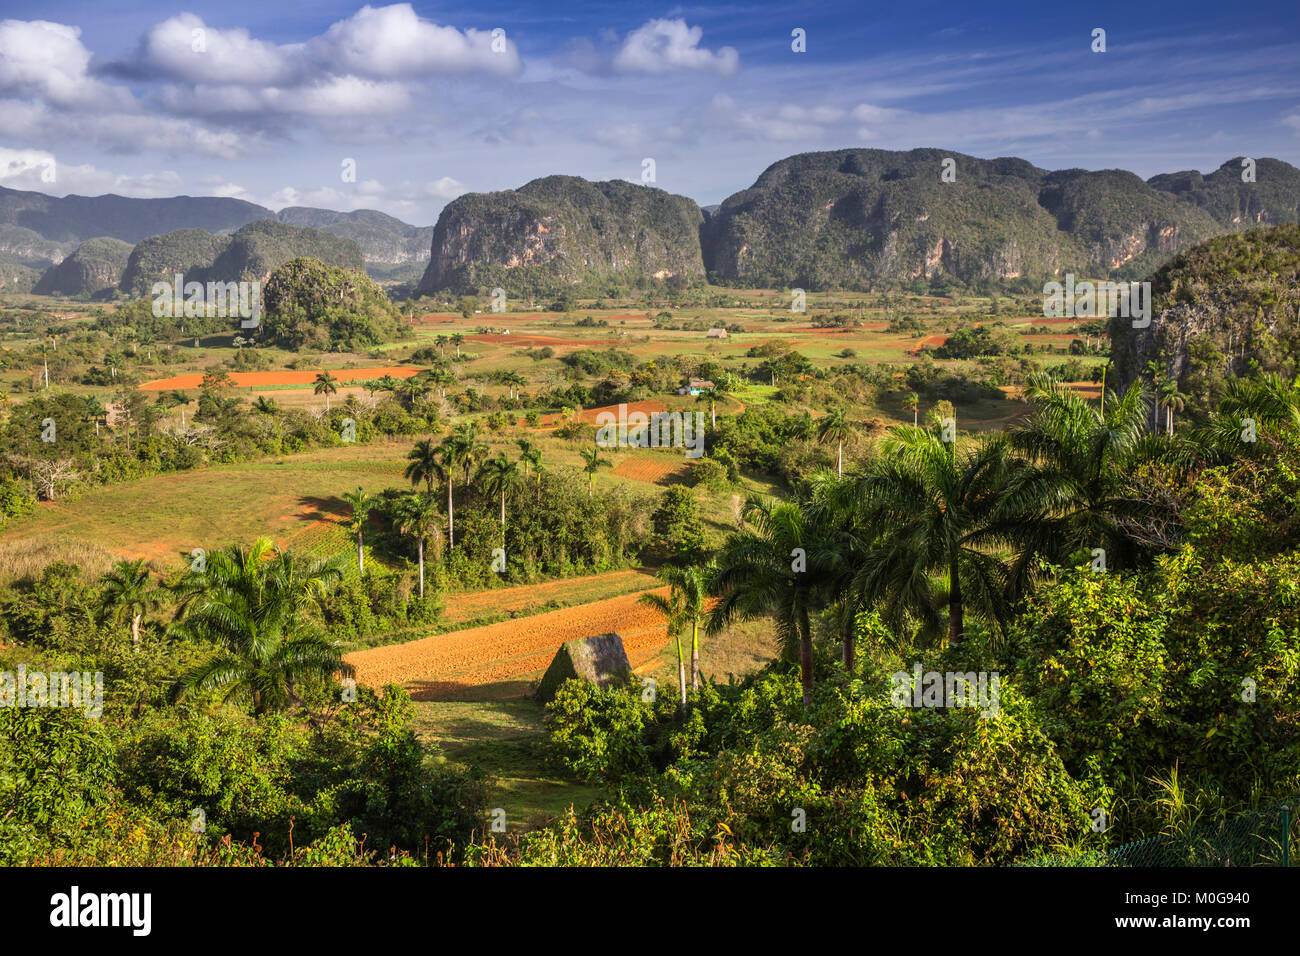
x=430, y=463
x=755, y=575
x=1173, y=400
x=836, y=427
x=327, y=385
x=692, y=584
x=361, y=504
x=931, y=511
x=456, y=339
x=424, y=465
x=514, y=380
x=593, y=463
x=465, y=447
x=670, y=606
x=499, y=475
x=129, y=593
x=912, y=402
x=1070, y=494
x=417, y=516
x=1269, y=402
x=257, y=606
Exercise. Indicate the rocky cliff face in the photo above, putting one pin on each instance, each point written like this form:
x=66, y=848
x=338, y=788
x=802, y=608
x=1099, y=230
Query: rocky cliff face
x=383, y=239
x=560, y=232
x=95, y=266
x=1218, y=309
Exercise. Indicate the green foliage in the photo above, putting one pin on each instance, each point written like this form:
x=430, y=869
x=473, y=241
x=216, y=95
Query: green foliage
x=313, y=305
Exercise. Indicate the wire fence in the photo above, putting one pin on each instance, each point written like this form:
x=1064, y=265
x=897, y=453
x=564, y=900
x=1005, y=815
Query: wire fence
x=1261, y=837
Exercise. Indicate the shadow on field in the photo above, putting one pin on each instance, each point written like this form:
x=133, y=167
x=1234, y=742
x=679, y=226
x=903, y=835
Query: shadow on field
x=450, y=690
x=321, y=509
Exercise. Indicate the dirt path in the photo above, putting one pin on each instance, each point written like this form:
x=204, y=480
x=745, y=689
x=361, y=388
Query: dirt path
x=506, y=654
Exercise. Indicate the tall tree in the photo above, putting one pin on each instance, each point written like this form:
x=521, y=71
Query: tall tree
x=836, y=427
x=260, y=608
x=670, y=606
x=912, y=402
x=1070, y=492
x=499, y=475
x=129, y=593
x=361, y=503
x=327, y=385
x=930, y=509
x=417, y=516
x=1173, y=400
x=778, y=563
x=691, y=584
x=592, y=463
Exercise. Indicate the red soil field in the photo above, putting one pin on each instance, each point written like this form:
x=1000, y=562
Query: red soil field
x=928, y=340
x=497, y=338
x=653, y=470
x=589, y=415
x=447, y=664
x=305, y=379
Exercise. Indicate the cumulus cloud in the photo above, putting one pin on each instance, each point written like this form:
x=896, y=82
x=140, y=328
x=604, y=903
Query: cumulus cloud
x=185, y=48
x=48, y=60
x=394, y=41
x=664, y=46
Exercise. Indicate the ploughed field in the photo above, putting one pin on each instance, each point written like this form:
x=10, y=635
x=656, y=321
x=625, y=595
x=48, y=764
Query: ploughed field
x=509, y=654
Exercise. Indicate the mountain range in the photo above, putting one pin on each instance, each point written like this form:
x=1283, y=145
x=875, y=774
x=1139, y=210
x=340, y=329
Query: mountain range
x=39, y=231
x=843, y=218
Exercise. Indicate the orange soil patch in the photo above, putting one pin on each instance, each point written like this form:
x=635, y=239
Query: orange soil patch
x=472, y=604
x=1083, y=389
x=306, y=379
x=652, y=469
x=928, y=340
x=589, y=415
x=523, y=338
x=446, y=664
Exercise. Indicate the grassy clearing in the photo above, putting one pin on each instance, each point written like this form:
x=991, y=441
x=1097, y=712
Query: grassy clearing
x=505, y=738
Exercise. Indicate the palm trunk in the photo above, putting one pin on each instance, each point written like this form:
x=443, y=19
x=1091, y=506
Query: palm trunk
x=451, y=521
x=839, y=459
x=956, y=622
x=713, y=414
x=361, y=556
x=850, y=651
x=681, y=674
x=503, y=514
x=915, y=413
x=806, y=666
x=420, y=550
x=135, y=632
x=695, y=654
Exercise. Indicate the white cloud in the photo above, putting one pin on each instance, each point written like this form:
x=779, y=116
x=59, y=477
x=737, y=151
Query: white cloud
x=394, y=41
x=40, y=171
x=663, y=46
x=186, y=48
x=47, y=60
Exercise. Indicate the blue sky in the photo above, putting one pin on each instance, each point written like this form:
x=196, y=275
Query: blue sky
x=275, y=104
